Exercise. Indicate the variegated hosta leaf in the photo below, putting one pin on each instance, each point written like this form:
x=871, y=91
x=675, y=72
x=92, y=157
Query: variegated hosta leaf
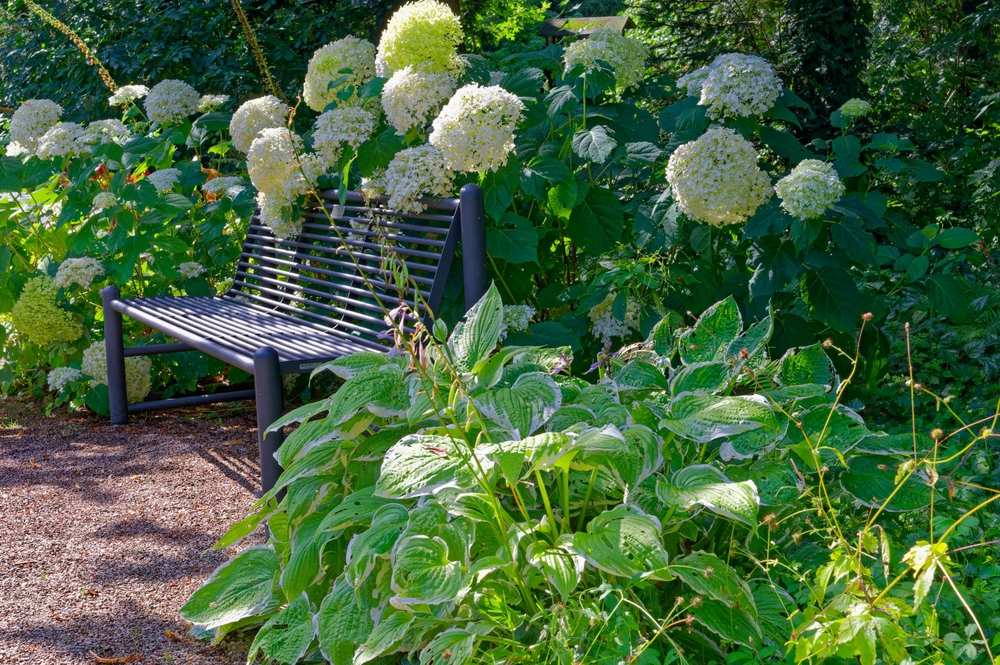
x=749, y=346
x=894, y=444
x=753, y=442
x=705, y=378
x=729, y=623
x=712, y=335
x=776, y=482
x=841, y=430
x=421, y=464
x=640, y=375
x=431, y=519
x=649, y=444
x=705, y=485
x=597, y=397
x=454, y=646
x=343, y=623
x=606, y=448
x=542, y=394
x=367, y=546
x=237, y=589
x=350, y=366
x=703, y=418
x=422, y=573
x=382, y=391
x=535, y=451
x=561, y=566
x=489, y=370
x=568, y=416
x=871, y=479
x=624, y=542
x=524, y=407
x=302, y=569
x=287, y=635
x=612, y=414
x=309, y=435
x=472, y=505
x=355, y=510
x=710, y=576
x=807, y=365
x=476, y=336
x=387, y=634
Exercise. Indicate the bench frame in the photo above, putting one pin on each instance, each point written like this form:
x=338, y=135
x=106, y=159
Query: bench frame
x=468, y=223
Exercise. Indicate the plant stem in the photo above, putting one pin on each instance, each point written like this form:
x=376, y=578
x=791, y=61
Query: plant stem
x=565, y=500
x=545, y=499
x=586, y=500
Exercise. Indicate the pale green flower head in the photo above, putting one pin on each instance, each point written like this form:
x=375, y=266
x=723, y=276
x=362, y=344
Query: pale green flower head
x=38, y=318
x=855, y=108
x=810, y=189
x=423, y=34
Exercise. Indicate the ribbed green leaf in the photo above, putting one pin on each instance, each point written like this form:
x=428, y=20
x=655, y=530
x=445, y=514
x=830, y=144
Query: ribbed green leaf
x=712, y=335
x=287, y=635
x=710, y=576
x=624, y=542
x=343, y=624
x=701, y=378
x=422, y=573
x=704, y=418
x=561, y=566
x=237, y=589
x=420, y=464
x=872, y=479
x=387, y=634
x=476, y=336
x=364, y=548
x=454, y=646
x=705, y=485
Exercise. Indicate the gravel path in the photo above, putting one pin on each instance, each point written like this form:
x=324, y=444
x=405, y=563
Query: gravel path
x=104, y=532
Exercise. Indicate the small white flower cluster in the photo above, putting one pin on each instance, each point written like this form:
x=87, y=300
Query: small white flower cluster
x=515, y=319
x=810, y=189
x=256, y=115
x=424, y=34
x=81, y=271
x=171, y=101
x=107, y=131
x=412, y=97
x=281, y=174
x=351, y=125
x=626, y=55
x=604, y=325
x=103, y=201
x=127, y=93
x=63, y=140
x=475, y=129
x=210, y=102
x=164, y=179
x=325, y=68
x=374, y=186
x=716, y=179
x=190, y=269
x=138, y=381
x=417, y=172
x=30, y=122
x=692, y=81
x=60, y=377
x=739, y=85
x=855, y=108
x=228, y=185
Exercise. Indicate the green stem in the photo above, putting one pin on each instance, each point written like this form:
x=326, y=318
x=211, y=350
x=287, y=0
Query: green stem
x=545, y=499
x=565, y=500
x=586, y=499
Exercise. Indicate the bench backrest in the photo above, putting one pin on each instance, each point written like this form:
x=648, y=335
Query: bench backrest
x=344, y=276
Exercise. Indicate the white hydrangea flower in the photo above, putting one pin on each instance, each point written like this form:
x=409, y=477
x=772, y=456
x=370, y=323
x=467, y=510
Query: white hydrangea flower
x=190, y=269
x=325, y=67
x=138, y=380
x=605, y=326
x=351, y=125
x=810, y=189
x=412, y=97
x=15, y=149
x=128, y=93
x=272, y=214
x=424, y=34
x=515, y=319
x=855, y=108
x=626, y=55
x=417, y=172
x=103, y=201
x=224, y=186
x=716, y=179
x=692, y=81
x=60, y=377
x=164, y=179
x=209, y=102
x=255, y=115
x=374, y=186
x=475, y=129
x=739, y=85
x=81, y=271
x=63, y=140
x=107, y=131
x=171, y=101
x=272, y=158
x=31, y=120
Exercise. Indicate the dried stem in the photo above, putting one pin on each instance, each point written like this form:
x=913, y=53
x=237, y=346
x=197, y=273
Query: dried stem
x=258, y=55
x=91, y=57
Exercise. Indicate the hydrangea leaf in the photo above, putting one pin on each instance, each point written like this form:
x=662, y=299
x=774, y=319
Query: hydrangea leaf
x=833, y=297
x=596, y=224
x=595, y=144
x=514, y=240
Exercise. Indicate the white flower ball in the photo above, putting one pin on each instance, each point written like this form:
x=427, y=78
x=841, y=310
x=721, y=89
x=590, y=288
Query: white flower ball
x=739, y=85
x=412, y=97
x=31, y=120
x=855, y=108
x=351, y=53
x=138, y=381
x=164, y=179
x=78, y=271
x=715, y=179
x=171, y=102
x=417, y=172
x=626, y=55
x=810, y=189
x=693, y=80
x=425, y=35
x=475, y=129
x=352, y=126
x=107, y=131
x=128, y=93
x=255, y=115
x=60, y=377
x=605, y=326
x=103, y=201
x=65, y=139
x=515, y=319
x=224, y=186
x=210, y=102
x=272, y=159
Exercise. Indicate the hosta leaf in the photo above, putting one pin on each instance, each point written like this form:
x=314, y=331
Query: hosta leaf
x=735, y=625
x=624, y=542
x=421, y=464
x=376, y=390
x=640, y=375
x=894, y=444
x=569, y=416
x=753, y=341
x=507, y=409
x=343, y=624
x=872, y=479
x=354, y=364
x=364, y=548
x=750, y=443
x=808, y=365
x=454, y=646
x=841, y=430
x=561, y=566
x=704, y=418
x=535, y=451
x=303, y=569
x=387, y=634
x=287, y=635
x=237, y=589
x=701, y=378
x=710, y=576
x=476, y=336
x=776, y=482
x=355, y=510
x=305, y=437
x=774, y=604
x=712, y=335
x=606, y=449
x=422, y=573
x=705, y=485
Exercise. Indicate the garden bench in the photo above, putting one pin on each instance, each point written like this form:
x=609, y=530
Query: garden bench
x=303, y=301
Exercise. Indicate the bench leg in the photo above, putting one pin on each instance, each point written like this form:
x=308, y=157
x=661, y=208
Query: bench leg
x=268, y=389
x=114, y=345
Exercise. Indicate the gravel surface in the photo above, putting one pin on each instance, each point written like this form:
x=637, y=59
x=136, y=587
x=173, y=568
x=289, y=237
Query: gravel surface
x=104, y=532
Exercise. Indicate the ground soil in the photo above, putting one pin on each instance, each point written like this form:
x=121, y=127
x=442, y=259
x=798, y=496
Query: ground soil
x=104, y=532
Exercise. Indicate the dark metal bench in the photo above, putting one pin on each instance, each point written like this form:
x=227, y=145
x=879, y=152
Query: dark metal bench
x=299, y=302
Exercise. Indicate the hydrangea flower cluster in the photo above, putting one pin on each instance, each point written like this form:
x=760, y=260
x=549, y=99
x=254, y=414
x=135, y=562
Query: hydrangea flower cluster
x=325, y=67
x=107, y=131
x=103, y=201
x=412, y=97
x=281, y=174
x=65, y=139
x=855, y=108
x=210, y=102
x=171, y=101
x=374, y=186
x=515, y=319
x=38, y=318
x=626, y=55
x=715, y=179
x=60, y=377
x=30, y=122
x=692, y=81
x=127, y=93
x=164, y=179
x=423, y=34
x=417, y=172
x=81, y=271
x=810, y=189
x=739, y=85
x=228, y=185
x=604, y=325
x=138, y=380
x=190, y=269
x=256, y=115
x=351, y=125
x=475, y=129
